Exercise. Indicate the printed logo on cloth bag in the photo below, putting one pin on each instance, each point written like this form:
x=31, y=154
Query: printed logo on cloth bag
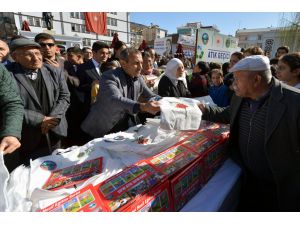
x=48, y=165
x=181, y=106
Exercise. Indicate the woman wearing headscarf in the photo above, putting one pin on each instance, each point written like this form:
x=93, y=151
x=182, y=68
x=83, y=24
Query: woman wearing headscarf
x=173, y=83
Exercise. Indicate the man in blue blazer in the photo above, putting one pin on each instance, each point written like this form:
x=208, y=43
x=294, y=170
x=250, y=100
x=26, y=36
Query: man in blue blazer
x=116, y=106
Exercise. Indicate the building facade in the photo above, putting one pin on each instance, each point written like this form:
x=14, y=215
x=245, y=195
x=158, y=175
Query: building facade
x=153, y=32
x=136, y=34
x=69, y=28
x=267, y=39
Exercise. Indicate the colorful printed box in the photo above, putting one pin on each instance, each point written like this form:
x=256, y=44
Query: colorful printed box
x=172, y=160
x=73, y=175
x=157, y=199
x=124, y=188
x=186, y=184
x=83, y=200
x=213, y=160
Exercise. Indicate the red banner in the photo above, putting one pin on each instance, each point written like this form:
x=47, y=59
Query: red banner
x=96, y=22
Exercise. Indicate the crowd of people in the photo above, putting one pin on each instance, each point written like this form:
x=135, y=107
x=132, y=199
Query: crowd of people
x=50, y=100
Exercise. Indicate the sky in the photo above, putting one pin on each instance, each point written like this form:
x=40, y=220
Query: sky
x=227, y=22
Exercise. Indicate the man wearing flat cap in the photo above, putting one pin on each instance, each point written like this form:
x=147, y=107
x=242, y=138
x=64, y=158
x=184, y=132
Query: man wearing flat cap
x=264, y=117
x=45, y=97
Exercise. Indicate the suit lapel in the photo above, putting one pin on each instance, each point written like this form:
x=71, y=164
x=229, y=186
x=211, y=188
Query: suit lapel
x=235, y=108
x=278, y=109
x=123, y=82
x=23, y=81
x=47, y=79
x=93, y=72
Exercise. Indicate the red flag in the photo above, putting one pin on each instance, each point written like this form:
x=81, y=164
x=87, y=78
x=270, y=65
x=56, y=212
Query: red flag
x=96, y=22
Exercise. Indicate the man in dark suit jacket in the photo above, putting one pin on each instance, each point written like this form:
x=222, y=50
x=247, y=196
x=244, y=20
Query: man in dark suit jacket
x=264, y=136
x=116, y=104
x=89, y=73
x=45, y=97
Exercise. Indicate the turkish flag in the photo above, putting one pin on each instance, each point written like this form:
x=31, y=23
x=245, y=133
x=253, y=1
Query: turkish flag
x=96, y=22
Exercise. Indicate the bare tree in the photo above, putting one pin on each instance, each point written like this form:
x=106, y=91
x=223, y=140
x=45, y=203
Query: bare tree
x=289, y=30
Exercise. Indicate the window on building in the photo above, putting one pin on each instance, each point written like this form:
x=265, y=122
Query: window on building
x=259, y=37
x=73, y=27
x=44, y=24
x=83, y=29
x=116, y=22
x=37, y=22
x=82, y=16
x=77, y=28
x=86, y=42
x=108, y=21
x=77, y=15
x=30, y=20
x=72, y=15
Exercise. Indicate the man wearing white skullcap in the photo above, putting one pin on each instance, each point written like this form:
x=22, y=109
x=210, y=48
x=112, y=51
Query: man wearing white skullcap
x=264, y=136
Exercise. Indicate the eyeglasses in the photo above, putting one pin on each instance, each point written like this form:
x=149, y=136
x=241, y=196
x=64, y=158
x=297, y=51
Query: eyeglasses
x=47, y=44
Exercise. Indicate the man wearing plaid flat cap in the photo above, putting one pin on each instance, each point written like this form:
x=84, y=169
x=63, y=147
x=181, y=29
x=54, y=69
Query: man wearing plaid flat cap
x=264, y=117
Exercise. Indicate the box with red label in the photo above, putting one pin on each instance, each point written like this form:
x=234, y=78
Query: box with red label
x=69, y=176
x=83, y=200
x=186, y=184
x=157, y=199
x=172, y=160
x=217, y=129
x=207, y=138
x=124, y=188
x=214, y=159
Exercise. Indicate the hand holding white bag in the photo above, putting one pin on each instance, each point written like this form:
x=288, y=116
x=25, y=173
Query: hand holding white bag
x=179, y=114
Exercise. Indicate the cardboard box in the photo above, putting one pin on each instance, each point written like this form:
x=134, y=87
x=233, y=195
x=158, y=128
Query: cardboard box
x=83, y=200
x=213, y=160
x=126, y=187
x=186, y=184
x=70, y=176
x=172, y=160
x=156, y=200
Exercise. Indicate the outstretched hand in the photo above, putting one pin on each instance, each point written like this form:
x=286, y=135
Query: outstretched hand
x=152, y=107
x=9, y=144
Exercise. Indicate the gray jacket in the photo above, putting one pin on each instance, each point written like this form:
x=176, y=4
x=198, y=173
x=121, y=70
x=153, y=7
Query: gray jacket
x=112, y=102
x=59, y=100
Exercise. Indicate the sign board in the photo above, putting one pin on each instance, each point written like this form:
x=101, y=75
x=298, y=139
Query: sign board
x=163, y=46
x=186, y=40
x=215, y=47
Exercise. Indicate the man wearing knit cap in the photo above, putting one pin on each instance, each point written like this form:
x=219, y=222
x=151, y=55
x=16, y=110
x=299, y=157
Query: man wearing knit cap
x=45, y=97
x=264, y=136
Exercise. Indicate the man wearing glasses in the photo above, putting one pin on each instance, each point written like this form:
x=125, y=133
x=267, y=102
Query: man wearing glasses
x=48, y=49
x=45, y=97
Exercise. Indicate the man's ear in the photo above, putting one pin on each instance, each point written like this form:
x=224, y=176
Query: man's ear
x=123, y=63
x=257, y=79
x=14, y=56
x=296, y=72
